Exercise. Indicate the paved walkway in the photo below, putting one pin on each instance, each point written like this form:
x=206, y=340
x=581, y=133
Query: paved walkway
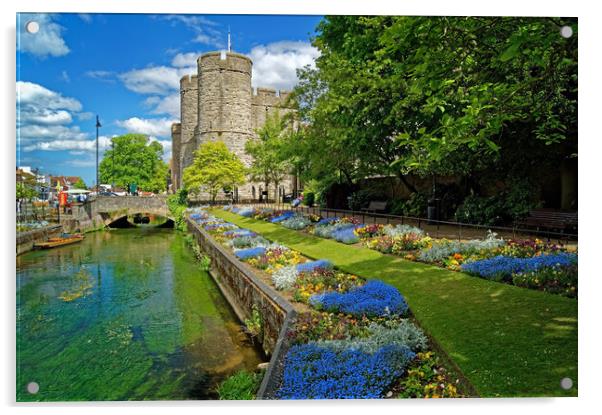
x=508, y=341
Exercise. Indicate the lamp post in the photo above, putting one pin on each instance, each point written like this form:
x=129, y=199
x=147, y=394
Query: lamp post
x=97, y=182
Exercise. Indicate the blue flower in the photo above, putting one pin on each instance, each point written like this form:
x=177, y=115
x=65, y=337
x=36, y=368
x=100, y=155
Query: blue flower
x=502, y=267
x=250, y=252
x=316, y=372
x=375, y=298
x=284, y=216
x=312, y=265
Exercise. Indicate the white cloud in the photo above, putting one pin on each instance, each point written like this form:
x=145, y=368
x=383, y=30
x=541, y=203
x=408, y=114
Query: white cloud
x=169, y=105
x=30, y=94
x=65, y=77
x=160, y=127
x=275, y=64
x=185, y=60
x=46, y=117
x=160, y=80
x=71, y=145
x=166, y=147
x=86, y=17
x=48, y=41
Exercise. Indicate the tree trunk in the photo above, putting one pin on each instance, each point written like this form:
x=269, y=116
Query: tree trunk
x=407, y=184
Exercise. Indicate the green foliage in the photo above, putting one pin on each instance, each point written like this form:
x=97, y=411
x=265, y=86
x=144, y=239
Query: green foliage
x=242, y=385
x=414, y=206
x=254, y=324
x=309, y=198
x=177, y=211
x=133, y=158
x=80, y=184
x=25, y=191
x=444, y=95
x=360, y=199
x=270, y=163
x=213, y=169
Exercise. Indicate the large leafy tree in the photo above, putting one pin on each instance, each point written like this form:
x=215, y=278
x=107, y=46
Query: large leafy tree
x=213, y=169
x=270, y=162
x=439, y=95
x=133, y=158
x=80, y=184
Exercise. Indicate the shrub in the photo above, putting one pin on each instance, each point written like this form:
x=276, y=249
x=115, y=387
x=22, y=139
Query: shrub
x=402, y=333
x=242, y=385
x=414, y=206
x=249, y=242
x=502, y=267
x=312, y=265
x=285, y=278
x=309, y=198
x=314, y=372
x=401, y=230
x=249, y=252
x=297, y=222
x=375, y=298
x=481, y=210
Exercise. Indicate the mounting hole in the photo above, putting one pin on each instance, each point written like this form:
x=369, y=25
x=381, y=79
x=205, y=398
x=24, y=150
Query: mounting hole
x=33, y=387
x=566, y=383
x=566, y=31
x=32, y=27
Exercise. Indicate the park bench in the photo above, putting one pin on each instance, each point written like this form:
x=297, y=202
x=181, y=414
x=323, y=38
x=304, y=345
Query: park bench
x=550, y=219
x=375, y=207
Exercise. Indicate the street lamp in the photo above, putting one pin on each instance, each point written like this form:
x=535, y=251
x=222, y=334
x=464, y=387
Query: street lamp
x=97, y=182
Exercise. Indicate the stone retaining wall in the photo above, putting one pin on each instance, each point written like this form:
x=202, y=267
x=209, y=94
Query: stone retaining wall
x=26, y=240
x=244, y=290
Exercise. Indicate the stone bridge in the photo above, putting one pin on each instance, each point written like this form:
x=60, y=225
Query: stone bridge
x=104, y=210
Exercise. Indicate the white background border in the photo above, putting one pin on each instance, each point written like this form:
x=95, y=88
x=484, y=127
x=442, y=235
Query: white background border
x=590, y=189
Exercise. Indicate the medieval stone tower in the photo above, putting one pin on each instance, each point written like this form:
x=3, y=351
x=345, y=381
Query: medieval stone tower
x=219, y=104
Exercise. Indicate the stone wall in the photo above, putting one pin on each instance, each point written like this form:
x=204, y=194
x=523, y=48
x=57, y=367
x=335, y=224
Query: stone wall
x=189, y=96
x=26, y=240
x=244, y=290
x=228, y=110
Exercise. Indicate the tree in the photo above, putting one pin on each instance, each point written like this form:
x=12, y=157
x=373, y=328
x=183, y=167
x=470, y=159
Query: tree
x=133, y=158
x=214, y=168
x=80, y=184
x=270, y=164
x=438, y=95
x=25, y=191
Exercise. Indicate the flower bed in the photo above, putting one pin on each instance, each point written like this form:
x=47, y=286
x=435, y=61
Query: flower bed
x=413, y=244
x=356, y=343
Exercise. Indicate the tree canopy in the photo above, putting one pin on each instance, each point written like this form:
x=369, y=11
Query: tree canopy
x=213, y=169
x=437, y=95
x=270, y=163
x=133, y=158
x=80, y=184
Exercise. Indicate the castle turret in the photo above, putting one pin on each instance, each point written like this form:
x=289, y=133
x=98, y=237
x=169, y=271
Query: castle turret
x=189, y=96
x=176, y=137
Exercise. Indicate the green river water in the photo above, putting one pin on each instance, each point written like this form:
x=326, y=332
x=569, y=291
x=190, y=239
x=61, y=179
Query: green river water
x=126, y=314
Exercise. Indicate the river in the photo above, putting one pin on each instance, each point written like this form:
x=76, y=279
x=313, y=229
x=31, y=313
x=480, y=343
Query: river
x=127, y=314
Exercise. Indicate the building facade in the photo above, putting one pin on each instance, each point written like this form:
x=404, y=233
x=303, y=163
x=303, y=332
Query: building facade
x=219, y=104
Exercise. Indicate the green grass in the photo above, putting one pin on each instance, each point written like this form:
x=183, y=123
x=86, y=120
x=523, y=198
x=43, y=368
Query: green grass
x=242, y=385
x=508, y=341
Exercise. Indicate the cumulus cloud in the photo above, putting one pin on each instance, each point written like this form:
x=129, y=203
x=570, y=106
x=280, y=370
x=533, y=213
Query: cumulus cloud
x=48, y=41
x=70, y=145
x=165, y=105
x=275, y=65
x=186, y=60
x=160, y=127
x=44, y=120
x=154, y=80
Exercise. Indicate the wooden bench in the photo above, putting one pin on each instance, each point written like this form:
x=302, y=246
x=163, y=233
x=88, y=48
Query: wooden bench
x=552, y=219
x=375, y=206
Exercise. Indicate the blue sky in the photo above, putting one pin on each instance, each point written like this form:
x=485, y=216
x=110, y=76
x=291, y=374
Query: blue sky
x=126, y=68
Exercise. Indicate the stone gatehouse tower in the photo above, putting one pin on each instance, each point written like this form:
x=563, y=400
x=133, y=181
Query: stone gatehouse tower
x=219, y=104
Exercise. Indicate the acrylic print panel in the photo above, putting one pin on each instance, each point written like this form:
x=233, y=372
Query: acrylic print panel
x=338, y=207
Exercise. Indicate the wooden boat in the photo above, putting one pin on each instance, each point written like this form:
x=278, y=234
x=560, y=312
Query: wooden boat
x=60, y=241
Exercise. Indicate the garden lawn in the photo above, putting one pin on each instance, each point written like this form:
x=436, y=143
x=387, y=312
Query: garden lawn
x=508, y=341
